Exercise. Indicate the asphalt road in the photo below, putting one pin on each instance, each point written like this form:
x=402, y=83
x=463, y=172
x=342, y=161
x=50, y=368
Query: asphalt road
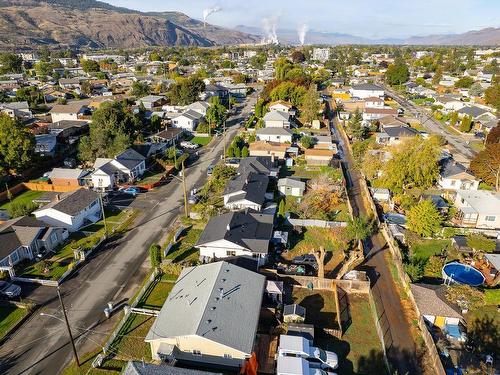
x=398, y=339
x=458, y=142
x=41, y=346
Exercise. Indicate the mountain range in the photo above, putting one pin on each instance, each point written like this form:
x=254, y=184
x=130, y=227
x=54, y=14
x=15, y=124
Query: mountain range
x=95, y=24
x=486, y=37
x=25, y=24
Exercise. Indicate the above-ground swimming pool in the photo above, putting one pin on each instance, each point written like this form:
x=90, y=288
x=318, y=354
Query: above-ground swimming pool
x=462, y=274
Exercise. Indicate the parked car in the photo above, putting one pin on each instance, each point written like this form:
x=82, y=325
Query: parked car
x=308, y=259
x=210, y=169
x=69, y=163
x=297, y=346
x=132, y=190
x=189, y=145
x=9, y=290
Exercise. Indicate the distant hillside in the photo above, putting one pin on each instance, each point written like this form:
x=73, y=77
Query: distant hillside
x=486, y=37
x=95, y=24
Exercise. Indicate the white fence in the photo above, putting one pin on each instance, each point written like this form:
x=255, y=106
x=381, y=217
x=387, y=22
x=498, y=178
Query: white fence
x=315, y=223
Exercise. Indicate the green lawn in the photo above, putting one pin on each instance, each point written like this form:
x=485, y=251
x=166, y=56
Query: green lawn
x=492, y=296
x=24, y=197
x=202, y=141
x=130, y=340
x=9, y=316
x=424, y=249
x=359, y=350
x=184, y=249
x=156, y=295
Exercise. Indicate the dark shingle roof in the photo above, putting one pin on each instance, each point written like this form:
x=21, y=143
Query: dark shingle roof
x=248, y=228
x=472, y=111
x=450, y=167
x=18, y=232
x=367, y=86
x=253, y=186
x=140, y=368
x=400, y=131
x=74, y=202
x=130, y=158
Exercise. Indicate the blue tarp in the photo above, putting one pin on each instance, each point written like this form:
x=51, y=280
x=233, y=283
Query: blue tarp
x=453, y=331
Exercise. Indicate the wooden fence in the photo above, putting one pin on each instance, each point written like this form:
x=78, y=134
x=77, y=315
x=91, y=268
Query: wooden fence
x=40, y=186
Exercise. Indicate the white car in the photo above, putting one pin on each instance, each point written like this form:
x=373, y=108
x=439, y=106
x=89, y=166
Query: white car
x=186, y=144
x=300, y=347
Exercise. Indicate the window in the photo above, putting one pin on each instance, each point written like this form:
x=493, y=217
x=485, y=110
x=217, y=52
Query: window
x=228, y=356
x=197, y=352
x=453, y=182
x=53, y=237
x=231, y=253
x=490, y=218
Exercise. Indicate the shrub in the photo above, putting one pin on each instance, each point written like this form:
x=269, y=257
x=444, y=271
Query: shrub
x=43, y=266
x=17, y=209
x=415, y=269
x=155, y=255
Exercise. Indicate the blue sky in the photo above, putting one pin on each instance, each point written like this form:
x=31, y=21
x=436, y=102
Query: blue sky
x=367, y=18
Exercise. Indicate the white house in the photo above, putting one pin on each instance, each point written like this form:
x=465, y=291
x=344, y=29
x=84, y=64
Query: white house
x=126, y=167
x=17, y=110
x=374, y=102
x=71, y=210
x=449, y=103
x=478, y=209
x=281, y=106
x=188, y=120
x=366, y=90
x=277, y=119
x=200, y=106
x=235, y=234
x=454, y=176
x=376, y=113
x=279, y=135
x=210, y=317
x=72, y=111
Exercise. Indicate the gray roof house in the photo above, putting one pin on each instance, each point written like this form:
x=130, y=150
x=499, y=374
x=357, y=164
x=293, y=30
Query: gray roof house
x=246, y=190
x=188, y=120
x=25, y=237
x=455, y=176
x=246, y=232
x=291, y=187
x=258, y=164
x=274, y=134
x=210, y=316
x=473, y=111
x=394, y=135
x=71, y=210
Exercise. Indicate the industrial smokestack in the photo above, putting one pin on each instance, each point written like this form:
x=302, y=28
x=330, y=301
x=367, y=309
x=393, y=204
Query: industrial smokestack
x=209, y=11
x=302, y=32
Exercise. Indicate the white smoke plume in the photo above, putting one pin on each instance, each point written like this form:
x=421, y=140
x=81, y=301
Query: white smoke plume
x=209, y=11
x=269, y=25
x=302, y=32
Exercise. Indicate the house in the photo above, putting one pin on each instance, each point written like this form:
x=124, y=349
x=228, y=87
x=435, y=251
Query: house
x=17, y=110
x=493, y=261
x=366, y=90
x=45, y=144
x=188, y=120
x=294, y=313
x=73, y=111
x=170, y=136
x=152, y=101
x=281, y=106
x=477, y=209
x=277, y=119
x=70, y=83
x=215, y=90
x=319, y=157
x=454, y=176
x=324, y=142
x=277, y=135
x=274, y=290
x=126, y=167
x=394, y=135
x=69, y=177
x=25, y=238
x=374, y=102
x=321, y=54
x=237, y=233
x=473, y=111
x=449, y=103
x=68, y=128
x=258, y=164
x=210, y=317
x=71, y=210
x=246, y=190
x=436, y=310
x=142, y=368
x=200, y=106
x=291, y=187
x=375, y=113
x=263, y=148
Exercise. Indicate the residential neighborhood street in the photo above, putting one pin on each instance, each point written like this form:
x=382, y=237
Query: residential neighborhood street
x=461, y=149
x=41, y=345
x=397, y=336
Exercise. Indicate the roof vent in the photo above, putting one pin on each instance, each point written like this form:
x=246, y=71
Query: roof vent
x=208, y=321
x=212, y=308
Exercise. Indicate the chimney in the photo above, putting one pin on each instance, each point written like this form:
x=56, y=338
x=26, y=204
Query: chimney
x=272, y=158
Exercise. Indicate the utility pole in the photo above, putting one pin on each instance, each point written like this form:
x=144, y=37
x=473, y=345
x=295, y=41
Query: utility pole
x=224, y=141
x=185, y=191
x=69, y=329
x=103, y=216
